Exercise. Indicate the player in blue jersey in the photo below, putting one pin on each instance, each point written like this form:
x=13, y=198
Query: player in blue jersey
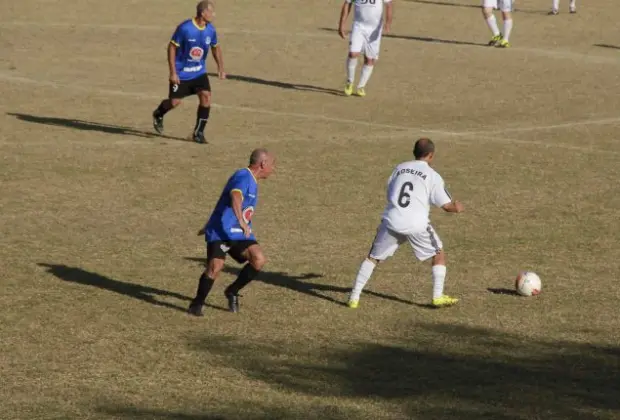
x=187, y=55
x=229, y=231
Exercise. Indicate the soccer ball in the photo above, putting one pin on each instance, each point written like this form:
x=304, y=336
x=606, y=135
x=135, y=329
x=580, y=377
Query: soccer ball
x=528, y=284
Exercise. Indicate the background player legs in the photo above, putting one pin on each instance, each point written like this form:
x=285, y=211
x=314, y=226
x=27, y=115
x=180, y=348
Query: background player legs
x=256, y=261
x=202, y=115
x=507, y=17
x=365, y=75
x=351, y=66
x=489, y=18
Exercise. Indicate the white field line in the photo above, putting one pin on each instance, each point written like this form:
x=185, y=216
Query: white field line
x=485, y=135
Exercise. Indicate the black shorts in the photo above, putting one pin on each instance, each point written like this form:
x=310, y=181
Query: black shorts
x=189, y=87
x=219, y=249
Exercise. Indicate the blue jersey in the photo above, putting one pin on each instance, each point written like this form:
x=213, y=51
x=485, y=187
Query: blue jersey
x=193, y=43
x=223, y=224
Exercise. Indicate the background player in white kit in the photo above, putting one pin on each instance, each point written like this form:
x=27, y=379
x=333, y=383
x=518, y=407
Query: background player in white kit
x=365, y=37
x=500, y=40
x=555, y=7
x=412, y=188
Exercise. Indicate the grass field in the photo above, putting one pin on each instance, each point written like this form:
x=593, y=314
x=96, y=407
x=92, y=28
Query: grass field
x=99, y=256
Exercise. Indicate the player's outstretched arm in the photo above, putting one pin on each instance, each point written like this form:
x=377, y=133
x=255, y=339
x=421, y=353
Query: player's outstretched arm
x=453, y=207
x=344, y=14
x=219, y=60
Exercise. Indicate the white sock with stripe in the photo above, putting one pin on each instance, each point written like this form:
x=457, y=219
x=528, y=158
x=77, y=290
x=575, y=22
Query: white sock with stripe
x=363, y=275
x=439, y=278
x=351, y=65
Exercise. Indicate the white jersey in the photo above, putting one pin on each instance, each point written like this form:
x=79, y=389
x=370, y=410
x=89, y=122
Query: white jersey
x=411, y=190
x=368, y=12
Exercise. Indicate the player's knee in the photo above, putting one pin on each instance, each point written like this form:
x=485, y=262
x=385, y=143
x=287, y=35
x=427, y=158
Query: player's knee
x=354, y=54
x=175, y=102
x=204, y=97
x=258, y=260
x=439, y=258
x=486, y=12
x=214, y=267
x=370, y=61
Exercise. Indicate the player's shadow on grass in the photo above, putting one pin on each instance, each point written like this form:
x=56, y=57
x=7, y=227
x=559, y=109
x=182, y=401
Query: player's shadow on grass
x=503, y=291
x=299, y=283
x=137, y=291
x=613, y=47
x=90, y=126
x=422, y=39
x=282, y=85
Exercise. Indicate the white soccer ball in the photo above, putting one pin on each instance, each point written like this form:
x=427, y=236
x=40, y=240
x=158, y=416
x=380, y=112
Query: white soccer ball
x=528, y=284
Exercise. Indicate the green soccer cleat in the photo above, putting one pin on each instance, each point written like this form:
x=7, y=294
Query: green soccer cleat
x=353, y=304
x=503, y=44
x=360, y=92
x=444, y=301
x=348, y=89
x=495, y=40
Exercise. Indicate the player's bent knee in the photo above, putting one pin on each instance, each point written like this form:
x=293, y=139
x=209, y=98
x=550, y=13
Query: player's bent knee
x=354, y=54
x=214, y=267
x=258, y=260
x=439, y=258
x=175, y=102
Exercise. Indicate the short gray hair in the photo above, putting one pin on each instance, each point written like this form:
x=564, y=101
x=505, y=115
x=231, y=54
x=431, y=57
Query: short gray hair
x=258, y=155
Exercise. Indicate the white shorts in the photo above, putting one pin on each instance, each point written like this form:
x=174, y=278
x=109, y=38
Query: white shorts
x=365, y=39
x=503, y=5
x=425, y=244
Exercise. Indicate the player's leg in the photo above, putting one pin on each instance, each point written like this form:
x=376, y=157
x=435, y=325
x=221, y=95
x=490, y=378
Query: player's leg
x=243, y=251
x=203, y=90
x=216, y=255
x=506, y=8
x=427, y=245
x=487, y=13
x=555, y=7
x=572, y=6
x=383, y=246
x=356, y=42
x=175, y=94
x=371, y=55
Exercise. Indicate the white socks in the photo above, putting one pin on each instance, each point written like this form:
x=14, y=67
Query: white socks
x=363, y=275
x=556, y=5
x=439, y=278
x=507, y=28
x=366, y=72
x=492, y=24
x=351, y=65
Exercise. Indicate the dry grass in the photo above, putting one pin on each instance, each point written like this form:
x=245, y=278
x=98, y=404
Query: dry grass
x=99, y=257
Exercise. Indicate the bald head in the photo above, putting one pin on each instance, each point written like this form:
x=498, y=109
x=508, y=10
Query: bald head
x=203, y=5
x=262, y=163
x=258, y=156
x=423, y=148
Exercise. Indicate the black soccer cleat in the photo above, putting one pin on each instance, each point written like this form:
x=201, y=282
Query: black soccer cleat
x=158, y=123
x=195, y=309
x=233, y=302
x=199, y=138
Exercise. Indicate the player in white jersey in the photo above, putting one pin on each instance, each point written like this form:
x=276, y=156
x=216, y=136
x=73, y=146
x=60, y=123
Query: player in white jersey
x=411, y=190
x=365, y=37
x=555, y=7
x=500, y=40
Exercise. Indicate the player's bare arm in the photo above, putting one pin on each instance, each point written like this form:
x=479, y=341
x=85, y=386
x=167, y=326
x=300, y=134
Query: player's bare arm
x=237, y=200
x=172, y=51
x=344, y=14
x=389, y=11
x=454, y=207
x=219, y=60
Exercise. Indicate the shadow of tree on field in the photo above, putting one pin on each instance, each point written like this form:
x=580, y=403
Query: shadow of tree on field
x=91, y=126
x=278, y=84
x=445, y=371
x=299, y=283
x=423, y=39
x=137, y=291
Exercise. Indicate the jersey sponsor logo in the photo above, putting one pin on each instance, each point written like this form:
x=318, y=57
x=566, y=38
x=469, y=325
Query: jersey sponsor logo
x=248, y=212
x=192, y=69
x=196, y=53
